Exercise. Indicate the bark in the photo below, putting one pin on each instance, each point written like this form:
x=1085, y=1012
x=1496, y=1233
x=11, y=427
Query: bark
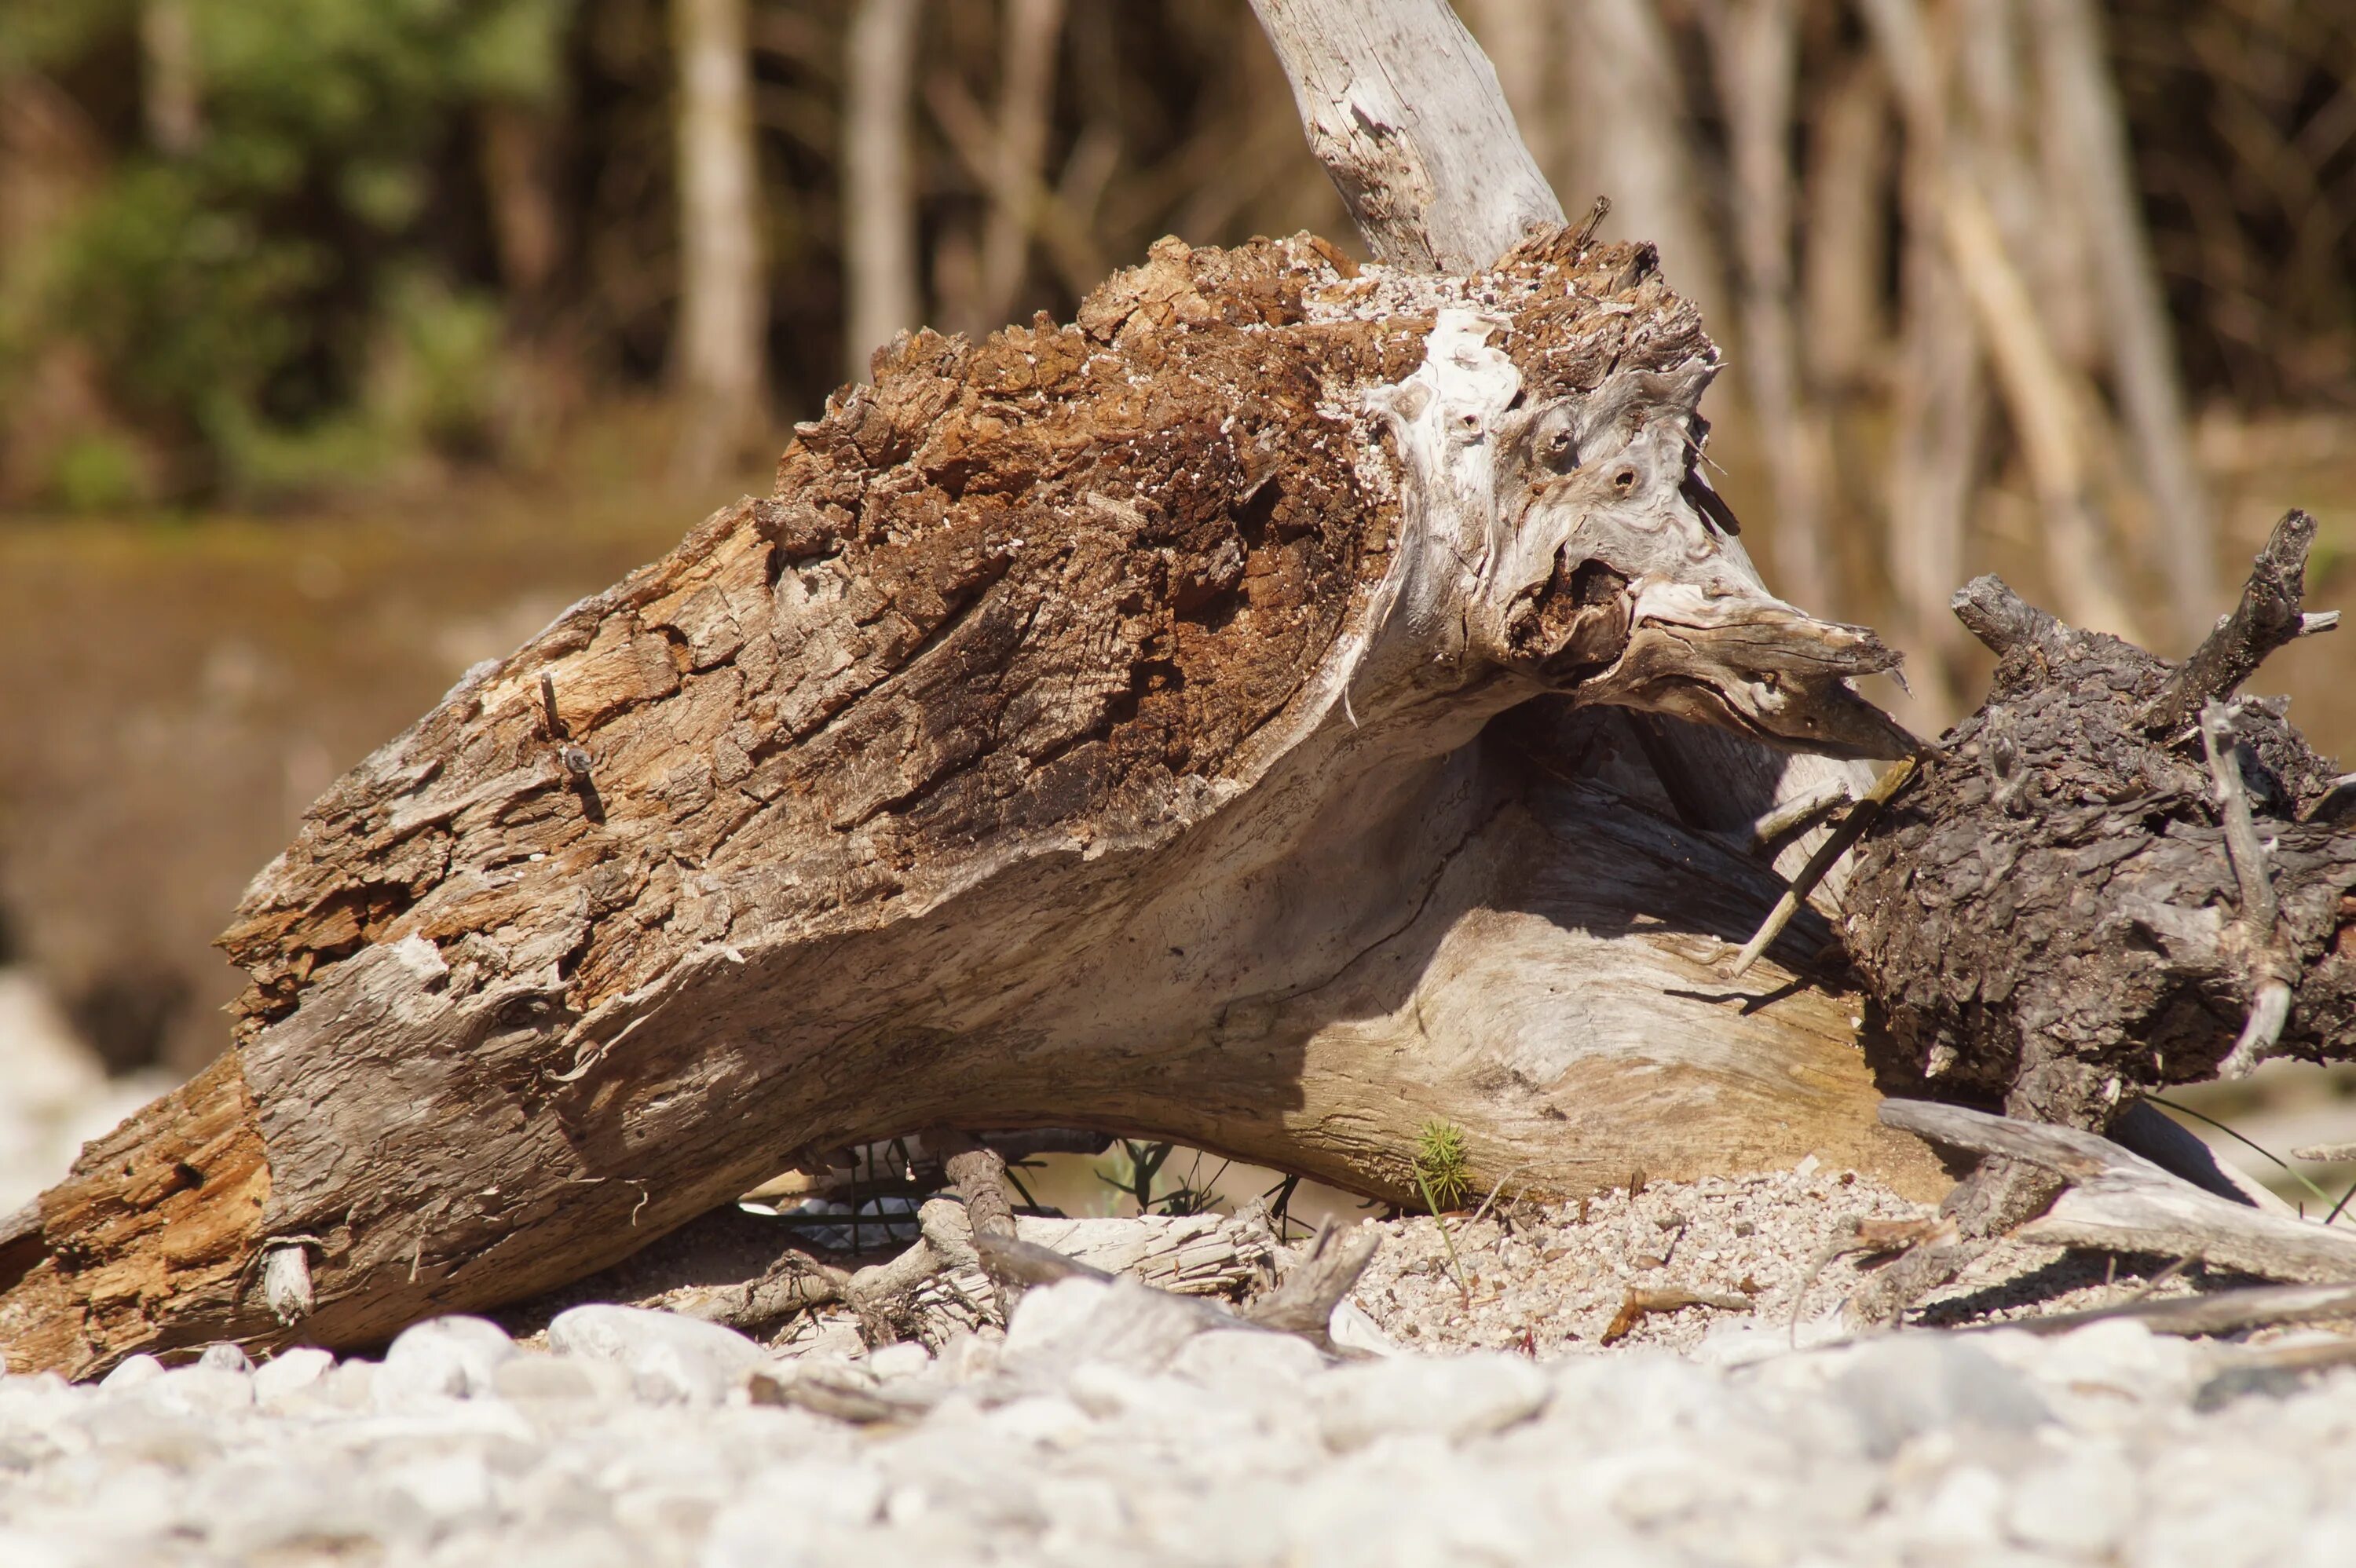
x=2055, y=918
x=2084, y=898
x=879, y=179
x=716, y=356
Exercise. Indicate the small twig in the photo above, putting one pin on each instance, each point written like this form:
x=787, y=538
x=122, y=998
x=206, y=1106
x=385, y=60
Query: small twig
x=2260, y=915
x=1595, y=217
x=549, y=716
x=1638, y=1303
x=1482, y=1213
x=1794, y=815
x=1836, y=843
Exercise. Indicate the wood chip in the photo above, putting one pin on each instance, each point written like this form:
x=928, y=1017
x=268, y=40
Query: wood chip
x=1637, y=1304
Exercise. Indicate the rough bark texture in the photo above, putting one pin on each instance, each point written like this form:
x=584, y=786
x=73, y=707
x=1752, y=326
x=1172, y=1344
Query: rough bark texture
x=1086, y=732
x=2050, y=919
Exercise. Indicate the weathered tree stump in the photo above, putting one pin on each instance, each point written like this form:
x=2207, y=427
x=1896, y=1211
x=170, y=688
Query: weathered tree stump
x=2106, y=880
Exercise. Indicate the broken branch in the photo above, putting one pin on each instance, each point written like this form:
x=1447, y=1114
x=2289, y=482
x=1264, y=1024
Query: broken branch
x=2117, y=1201
x=2266, y=618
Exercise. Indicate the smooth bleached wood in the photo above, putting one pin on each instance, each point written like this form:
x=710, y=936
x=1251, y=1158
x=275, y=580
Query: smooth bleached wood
x=1404, y=110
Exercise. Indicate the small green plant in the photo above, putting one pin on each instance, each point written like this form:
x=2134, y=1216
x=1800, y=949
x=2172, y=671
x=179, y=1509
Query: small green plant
x=1443, y=1167
x=1443, y=1174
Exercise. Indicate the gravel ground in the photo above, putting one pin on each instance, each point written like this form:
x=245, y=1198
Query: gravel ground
x=1512, y=1411
x=643, y=1438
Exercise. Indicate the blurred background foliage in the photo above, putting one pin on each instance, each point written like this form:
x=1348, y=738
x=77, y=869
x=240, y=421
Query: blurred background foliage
x=341, y=343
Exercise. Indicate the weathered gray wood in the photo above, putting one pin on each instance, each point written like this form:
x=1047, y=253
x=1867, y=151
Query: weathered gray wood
x=1404, y=110
x=2122, y=1202
x=2226, y=1312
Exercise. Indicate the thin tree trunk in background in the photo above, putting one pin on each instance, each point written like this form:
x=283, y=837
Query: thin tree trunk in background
x=1939, y=399
x=879, y=196
x=1028, y=46
x=2061, y=257
x=2048, y=410
x=1756, y=49
x=1846, y=248
x=2077, y=85
x=716, y=357
x=1518, y=37
x=541, y=374
x=171, y=87
x=525, y=228
x=1630, y=119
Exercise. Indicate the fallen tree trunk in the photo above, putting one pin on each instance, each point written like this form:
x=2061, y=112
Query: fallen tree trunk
x=1099, y=726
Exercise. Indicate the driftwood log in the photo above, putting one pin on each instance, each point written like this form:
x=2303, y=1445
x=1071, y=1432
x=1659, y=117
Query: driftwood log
x=1210, y=720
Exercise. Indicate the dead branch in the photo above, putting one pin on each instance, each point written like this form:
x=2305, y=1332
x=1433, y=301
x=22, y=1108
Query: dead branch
x=1404, y=110
x=1836, y=844
x=1639, y=1304
x=2225, y=1312
x=2271, y=968
x=2266, y=618
x=1303, y=1302
x=2118, y=1201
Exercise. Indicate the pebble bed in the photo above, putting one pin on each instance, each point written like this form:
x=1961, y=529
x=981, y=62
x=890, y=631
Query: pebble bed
x=1492, y=1424
x=640, y=1437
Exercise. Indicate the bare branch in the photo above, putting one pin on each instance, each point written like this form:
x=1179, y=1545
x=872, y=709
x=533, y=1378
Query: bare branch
x=2119, y=1201
x=2266, y=618
x=1837, y=843
x=2273, y=968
